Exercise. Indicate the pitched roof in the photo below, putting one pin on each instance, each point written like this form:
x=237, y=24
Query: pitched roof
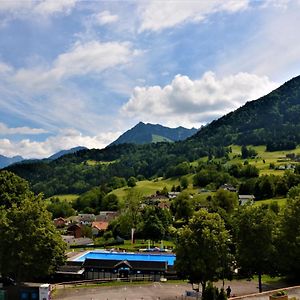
x=101, y=225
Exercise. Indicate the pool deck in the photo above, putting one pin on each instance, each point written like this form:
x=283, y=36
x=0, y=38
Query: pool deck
x=78, y=256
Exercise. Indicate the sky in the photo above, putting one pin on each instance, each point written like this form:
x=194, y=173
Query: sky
x=80, y=73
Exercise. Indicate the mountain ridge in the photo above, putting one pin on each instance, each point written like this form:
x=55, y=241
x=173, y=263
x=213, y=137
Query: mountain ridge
x=143, y=133
x=6, y=161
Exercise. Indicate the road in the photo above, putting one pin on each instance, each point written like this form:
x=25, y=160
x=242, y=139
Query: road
x=152, y=291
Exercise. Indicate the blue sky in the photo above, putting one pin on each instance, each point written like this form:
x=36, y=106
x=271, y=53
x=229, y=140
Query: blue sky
x=83, y=72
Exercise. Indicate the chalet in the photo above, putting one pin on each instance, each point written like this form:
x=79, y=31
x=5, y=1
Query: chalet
x=60, y=222
x=228, y=187
x=99, y=227
x=243, y=199
x=86, y=219
x=74, y=230
x=172, y=195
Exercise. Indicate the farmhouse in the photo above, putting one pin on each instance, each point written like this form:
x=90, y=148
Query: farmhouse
x=243, y=199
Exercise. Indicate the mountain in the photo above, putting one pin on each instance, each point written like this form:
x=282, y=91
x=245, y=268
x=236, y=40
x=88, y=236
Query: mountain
x=6, y=161
x=64, y=152
x=272, y=120
x=149, y=133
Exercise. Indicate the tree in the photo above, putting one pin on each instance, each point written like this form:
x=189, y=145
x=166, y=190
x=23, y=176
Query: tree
x=60, y=208
x=110, y=202
x=184, y=182
x=153, y=228
x=30, y=245
x=181, y=206
x=13, y=189
x=288, y=242
x=202, y=248
x=226, y=200
x=131, y=182
x=254, y=239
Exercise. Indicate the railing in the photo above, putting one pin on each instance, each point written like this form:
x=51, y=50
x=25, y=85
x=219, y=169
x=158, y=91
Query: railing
x=100, y=281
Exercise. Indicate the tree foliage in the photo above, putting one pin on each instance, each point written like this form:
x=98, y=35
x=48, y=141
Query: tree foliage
x=254, y=239
x=30, y=245
x=202, y=248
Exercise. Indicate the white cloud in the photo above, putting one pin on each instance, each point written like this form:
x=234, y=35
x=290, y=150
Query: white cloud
x=195, y=102
x=49, y=7
x=159, y=15
x=66, y=139
x=82, y=59
x=20, y=8
x=19, y=130
x=5, y=68
x=105, y=17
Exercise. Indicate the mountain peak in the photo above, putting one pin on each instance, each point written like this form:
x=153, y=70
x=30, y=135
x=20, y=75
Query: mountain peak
x=143, y=133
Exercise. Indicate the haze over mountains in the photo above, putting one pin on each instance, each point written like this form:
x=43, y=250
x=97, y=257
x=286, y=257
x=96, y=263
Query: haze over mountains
x=6, y=161
x=152, y=133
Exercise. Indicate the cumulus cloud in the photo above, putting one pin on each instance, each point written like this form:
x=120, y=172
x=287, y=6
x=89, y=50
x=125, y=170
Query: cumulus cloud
x=4, y=129
x=81, y=59
x=66, y=139
x=195, y=102
x=105, y=17
x=159, y=15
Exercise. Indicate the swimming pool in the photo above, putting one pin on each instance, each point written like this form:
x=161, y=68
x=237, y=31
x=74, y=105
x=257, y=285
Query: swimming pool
x=169, y=258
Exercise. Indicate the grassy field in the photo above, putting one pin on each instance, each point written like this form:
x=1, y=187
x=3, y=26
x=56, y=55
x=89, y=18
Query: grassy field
x=149, y=187
x=281, y=201
x=67, y=197
x=264, y=158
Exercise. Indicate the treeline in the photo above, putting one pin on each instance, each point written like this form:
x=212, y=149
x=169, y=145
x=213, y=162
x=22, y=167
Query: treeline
x=251, y=240
x=74, y=174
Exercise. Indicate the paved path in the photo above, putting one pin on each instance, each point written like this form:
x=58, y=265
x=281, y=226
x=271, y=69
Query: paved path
x=152, y=291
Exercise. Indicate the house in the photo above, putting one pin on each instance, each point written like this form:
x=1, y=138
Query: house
x=99, y=227
x=228, y=187
x=172, y=195
x=155, y=199
x=74, y=230
x=60, y=222
x=106, y=216
x=243, y=199
x=72, y=220
x=86, y=219
x=164, y=204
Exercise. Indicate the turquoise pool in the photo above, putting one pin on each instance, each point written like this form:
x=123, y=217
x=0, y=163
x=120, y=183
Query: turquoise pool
x=169, y=258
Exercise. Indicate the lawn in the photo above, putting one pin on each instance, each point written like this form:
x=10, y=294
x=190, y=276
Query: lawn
x=149, y=187
x=67, y=197
x=263, y=159
x=281, y=201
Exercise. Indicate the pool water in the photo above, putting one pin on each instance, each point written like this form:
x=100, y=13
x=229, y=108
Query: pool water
x=169, y=258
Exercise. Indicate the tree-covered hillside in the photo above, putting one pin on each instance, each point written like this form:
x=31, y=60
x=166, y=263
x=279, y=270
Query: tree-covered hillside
x=273, y=120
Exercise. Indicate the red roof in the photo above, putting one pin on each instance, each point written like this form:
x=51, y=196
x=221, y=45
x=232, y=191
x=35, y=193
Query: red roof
x=100, y=225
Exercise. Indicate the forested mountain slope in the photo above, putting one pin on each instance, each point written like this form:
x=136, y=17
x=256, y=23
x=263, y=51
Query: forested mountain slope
x=272, y=120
